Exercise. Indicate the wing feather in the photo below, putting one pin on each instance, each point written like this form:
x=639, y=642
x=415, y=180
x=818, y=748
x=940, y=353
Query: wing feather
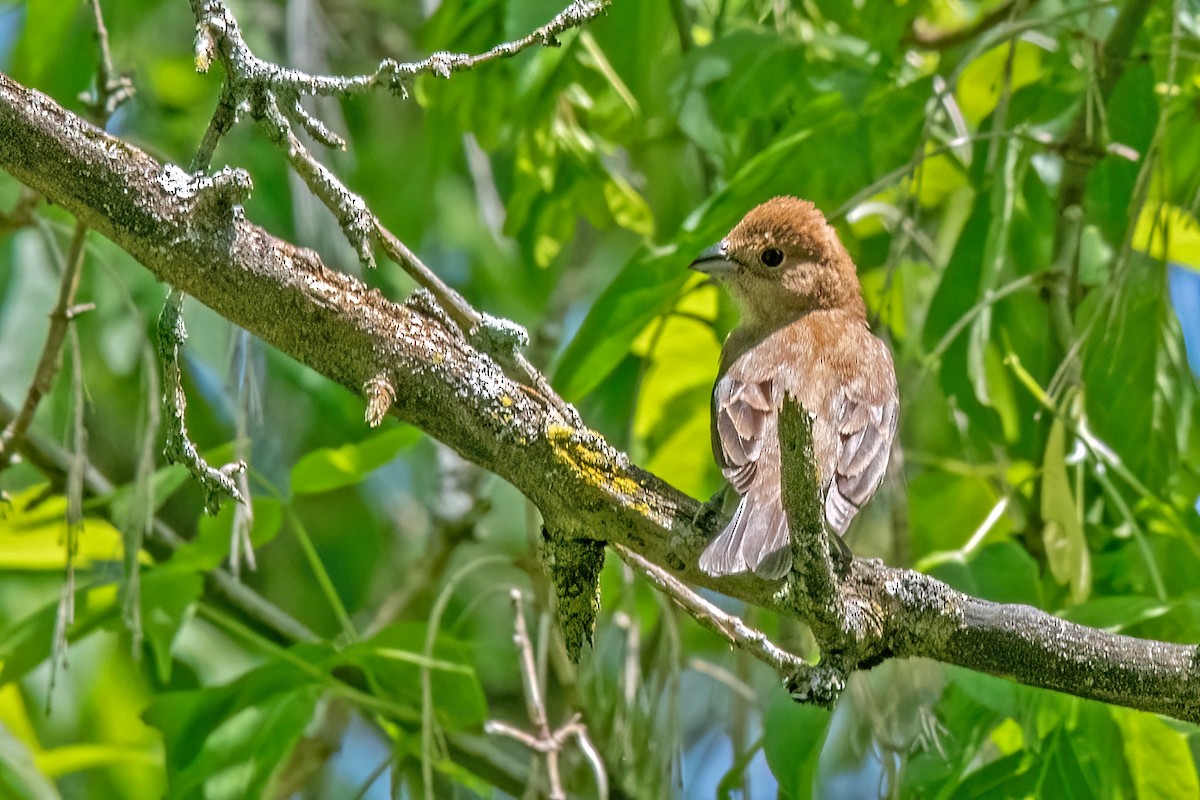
x=743, y=430
x=866, y=420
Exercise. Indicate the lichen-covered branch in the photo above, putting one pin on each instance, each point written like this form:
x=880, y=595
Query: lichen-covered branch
x=217, y=35
x=351, y=334
x=217, y=482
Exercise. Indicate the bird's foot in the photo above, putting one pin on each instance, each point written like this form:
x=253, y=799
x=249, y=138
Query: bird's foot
x=711, y=511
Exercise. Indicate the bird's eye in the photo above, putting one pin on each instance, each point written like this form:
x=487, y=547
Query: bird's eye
x=772, y=257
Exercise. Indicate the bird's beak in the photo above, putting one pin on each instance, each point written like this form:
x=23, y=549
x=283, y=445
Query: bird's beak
x=714, y=261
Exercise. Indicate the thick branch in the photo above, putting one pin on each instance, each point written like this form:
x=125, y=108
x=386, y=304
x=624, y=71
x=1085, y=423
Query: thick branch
x=198, y=241
x=925, y=617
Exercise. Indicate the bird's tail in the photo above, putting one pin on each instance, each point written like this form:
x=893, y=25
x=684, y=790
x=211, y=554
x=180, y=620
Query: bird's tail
x=755, y=539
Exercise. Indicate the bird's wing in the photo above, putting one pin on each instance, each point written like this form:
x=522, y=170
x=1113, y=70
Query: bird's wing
x=865, y=417
x=744, y=421
x=742, y=413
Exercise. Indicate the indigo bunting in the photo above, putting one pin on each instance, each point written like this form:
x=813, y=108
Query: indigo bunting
x=802, y=332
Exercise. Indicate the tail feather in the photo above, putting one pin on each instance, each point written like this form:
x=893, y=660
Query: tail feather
x=755, y=539
x=723, y=556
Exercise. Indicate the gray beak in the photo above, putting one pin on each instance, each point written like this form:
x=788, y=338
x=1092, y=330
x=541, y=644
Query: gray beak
x=714, y=261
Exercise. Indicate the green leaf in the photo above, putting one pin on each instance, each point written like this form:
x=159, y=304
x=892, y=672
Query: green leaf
x=20, y=778
x=793, y=735
x=1061, y=775
x=27, y=642
x=958, y=291
x=1159, y=757
x=334, y=467
x=628, y=208
x=394, y=658
x=47, y=25
x=1132, y=110
x=33, y=529
x=996, y=694
x=211, y=545
x=643, y=289
x=1003, y=572
x=995, y=250
x=945, y=508
x=1115, y=614
x=671, y=421
x=166, y=595
x=1066, y=547
x=982, y=81
x=1121, y=363
x=225, y=741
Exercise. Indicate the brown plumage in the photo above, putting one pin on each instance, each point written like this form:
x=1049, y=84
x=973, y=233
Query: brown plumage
x=803, y=332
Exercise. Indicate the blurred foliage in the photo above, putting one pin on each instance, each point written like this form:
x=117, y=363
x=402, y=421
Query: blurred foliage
x=1050, y=453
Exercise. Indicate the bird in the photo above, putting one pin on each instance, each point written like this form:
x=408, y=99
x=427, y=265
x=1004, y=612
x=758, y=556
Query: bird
x=802, y=331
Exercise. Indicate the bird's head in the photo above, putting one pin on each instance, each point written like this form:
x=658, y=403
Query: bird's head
x=781, y=261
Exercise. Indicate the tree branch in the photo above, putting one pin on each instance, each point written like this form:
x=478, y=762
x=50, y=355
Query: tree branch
x=352, y=335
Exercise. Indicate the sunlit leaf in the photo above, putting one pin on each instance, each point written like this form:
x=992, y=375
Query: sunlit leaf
x=334, y=467
x=983, y=80
x=1167, y=233
x=1159, y=757
x=33, y=533
x=1066, y=548
x=672, y=417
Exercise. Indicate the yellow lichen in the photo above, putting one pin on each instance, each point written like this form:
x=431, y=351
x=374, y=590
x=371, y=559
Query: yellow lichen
x=589, y=464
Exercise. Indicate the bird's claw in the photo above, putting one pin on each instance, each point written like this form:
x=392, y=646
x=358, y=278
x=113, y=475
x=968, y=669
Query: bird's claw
x=711, y=511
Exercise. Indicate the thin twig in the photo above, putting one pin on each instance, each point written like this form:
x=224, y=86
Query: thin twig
x=729, y=626
x=110, y=90
x=65, y=616
x=216, y=482
x=138, y=522
x=271, y=94
x=218, y=35
x=545, y=740
x=51, y=358
x=241, y=547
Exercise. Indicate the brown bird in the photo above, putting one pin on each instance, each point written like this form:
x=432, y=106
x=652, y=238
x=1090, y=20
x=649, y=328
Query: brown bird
x=803, y=332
